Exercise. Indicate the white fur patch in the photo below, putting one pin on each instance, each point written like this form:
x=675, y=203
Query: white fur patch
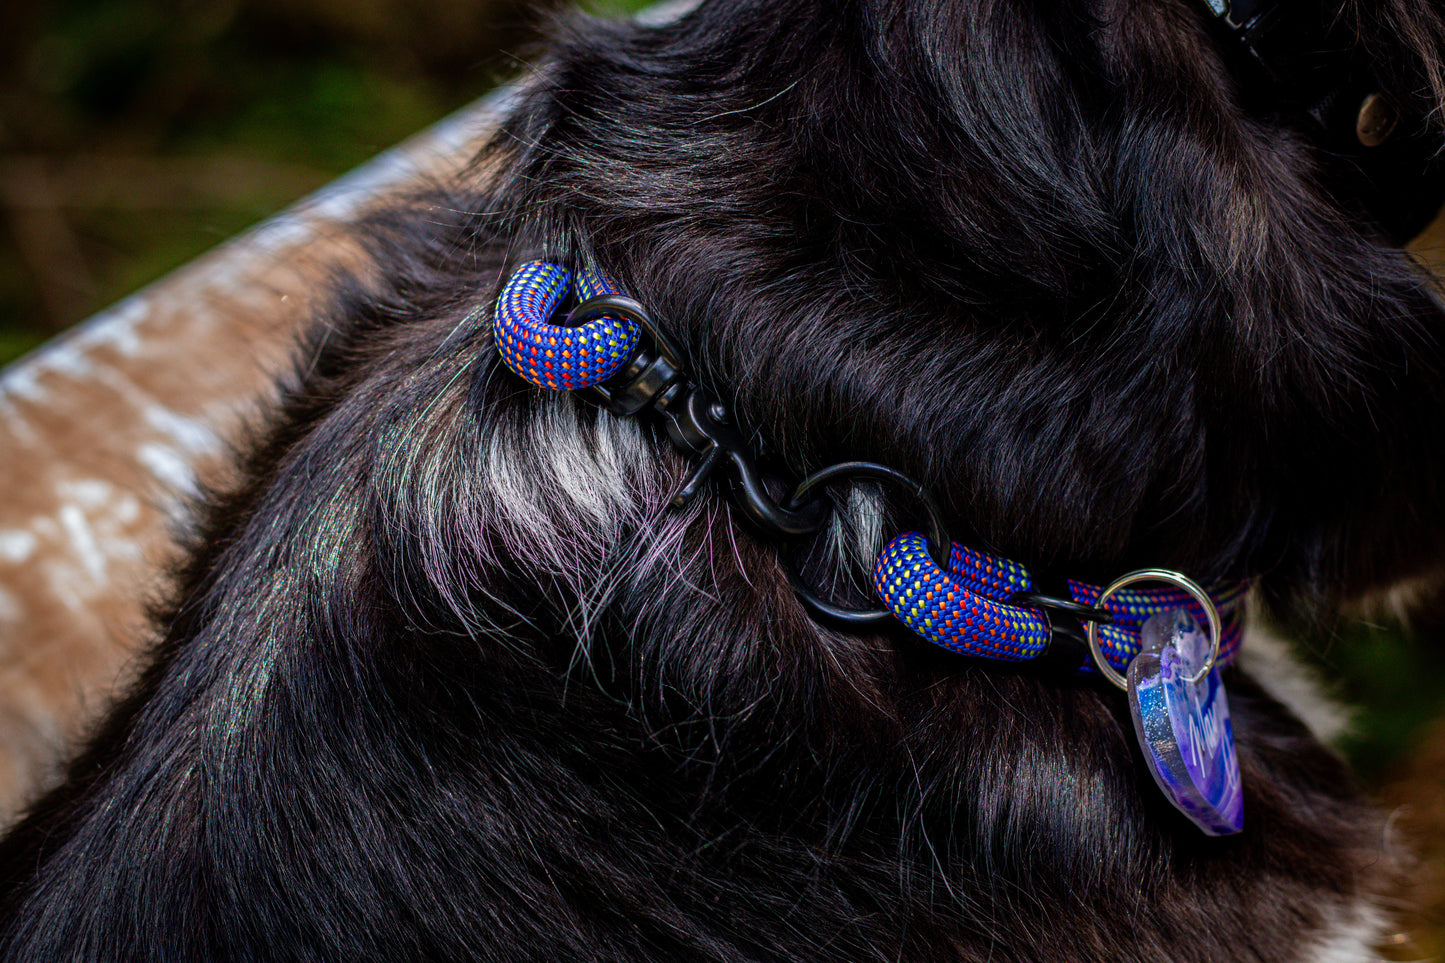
x=92, y=527
x=189, y=434
x=168, y=467
x=568, y=468
x=1351, y=936
x=1270, y=660
x=83, y=544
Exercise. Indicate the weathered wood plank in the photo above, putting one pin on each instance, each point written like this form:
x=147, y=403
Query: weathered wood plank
x=105, y=430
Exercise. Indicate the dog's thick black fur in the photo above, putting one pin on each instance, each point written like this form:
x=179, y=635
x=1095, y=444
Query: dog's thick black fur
x=446, y=679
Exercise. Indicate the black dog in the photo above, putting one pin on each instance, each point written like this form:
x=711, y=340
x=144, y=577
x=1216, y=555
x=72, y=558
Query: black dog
x=448, y=679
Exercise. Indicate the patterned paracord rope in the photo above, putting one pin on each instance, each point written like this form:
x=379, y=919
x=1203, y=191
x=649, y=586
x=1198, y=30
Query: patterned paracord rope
x=549, y=355
x=965, y=610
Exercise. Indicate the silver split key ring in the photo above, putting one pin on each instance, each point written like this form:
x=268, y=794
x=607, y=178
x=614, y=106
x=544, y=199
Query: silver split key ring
x=1091, y=629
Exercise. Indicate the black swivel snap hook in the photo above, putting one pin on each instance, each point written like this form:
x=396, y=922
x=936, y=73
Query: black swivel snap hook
x=697, y=422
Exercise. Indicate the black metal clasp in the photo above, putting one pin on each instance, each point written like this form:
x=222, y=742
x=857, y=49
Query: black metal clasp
x=652, y=372
x=697, y=422
x=1068, y=649
x=700, y=424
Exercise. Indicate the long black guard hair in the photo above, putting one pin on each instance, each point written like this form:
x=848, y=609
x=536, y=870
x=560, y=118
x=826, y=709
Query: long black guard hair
x=446, y=679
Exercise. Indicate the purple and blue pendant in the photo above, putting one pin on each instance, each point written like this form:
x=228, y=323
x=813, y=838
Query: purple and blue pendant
x=1184, y=726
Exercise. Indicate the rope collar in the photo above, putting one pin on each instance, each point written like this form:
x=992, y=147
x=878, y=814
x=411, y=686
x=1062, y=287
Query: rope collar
x=958, y=598
x=1147, y=641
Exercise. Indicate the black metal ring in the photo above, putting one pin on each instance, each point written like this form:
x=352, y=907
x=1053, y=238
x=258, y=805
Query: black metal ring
x=936, y=539
x=1085, y=613
x=606, y=305
x=621, y=306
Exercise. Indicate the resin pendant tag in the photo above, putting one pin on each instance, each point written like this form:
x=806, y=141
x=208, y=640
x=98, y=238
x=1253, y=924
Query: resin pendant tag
x=1184, y=726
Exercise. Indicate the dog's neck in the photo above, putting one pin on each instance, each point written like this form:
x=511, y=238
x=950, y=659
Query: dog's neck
x=608, y=347
x=1145, y=316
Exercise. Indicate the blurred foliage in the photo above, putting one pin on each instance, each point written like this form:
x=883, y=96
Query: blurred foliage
x=1390, y=671
x=135, y=134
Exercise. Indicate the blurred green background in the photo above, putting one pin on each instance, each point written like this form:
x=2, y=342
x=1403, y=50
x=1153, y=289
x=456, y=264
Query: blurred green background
x=136, y=134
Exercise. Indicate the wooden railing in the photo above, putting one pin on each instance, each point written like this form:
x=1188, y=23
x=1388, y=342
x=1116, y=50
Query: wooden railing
x=106, y=430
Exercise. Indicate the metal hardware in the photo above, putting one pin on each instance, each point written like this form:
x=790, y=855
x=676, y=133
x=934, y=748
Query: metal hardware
x=940, y=544
x=1376, y=120
x=700, y=426
x=1216, y=628
x=1078, y=610
x=696, y=422
x=647, y=375
x=1068, y=648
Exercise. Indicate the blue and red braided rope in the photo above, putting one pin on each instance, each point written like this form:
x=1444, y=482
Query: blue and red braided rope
x=964, y=609
x=551, y=355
